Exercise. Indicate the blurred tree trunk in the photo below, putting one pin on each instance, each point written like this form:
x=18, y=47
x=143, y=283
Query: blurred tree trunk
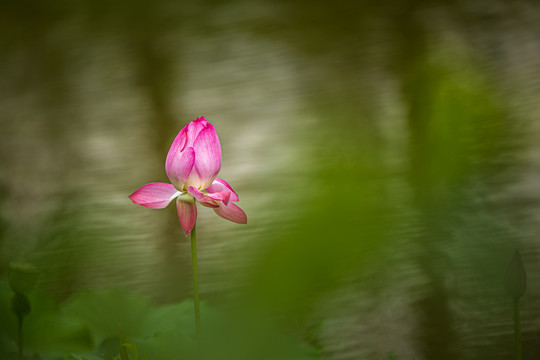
x=436, y=334
x=157, y=66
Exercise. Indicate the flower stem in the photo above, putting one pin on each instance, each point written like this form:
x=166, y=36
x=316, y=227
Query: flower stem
x=517, y=330
x=20, y=336
x=195, y=280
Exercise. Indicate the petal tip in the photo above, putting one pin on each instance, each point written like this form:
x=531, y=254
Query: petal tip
x=232, y=213
x=154, y=195
x=187, y=213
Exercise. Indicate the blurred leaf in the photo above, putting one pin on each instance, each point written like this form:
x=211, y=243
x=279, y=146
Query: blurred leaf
x=173, y=345
x=49, y=332
x=46, y=330
x=132, y=348
x=84, y=357
x=172, y=317
x=123, y=351
x=107, y=313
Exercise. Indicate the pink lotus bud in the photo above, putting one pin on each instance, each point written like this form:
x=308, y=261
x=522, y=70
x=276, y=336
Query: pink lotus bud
x=194, y=158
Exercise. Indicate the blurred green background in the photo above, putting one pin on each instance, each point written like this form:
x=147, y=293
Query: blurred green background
x=387, y=155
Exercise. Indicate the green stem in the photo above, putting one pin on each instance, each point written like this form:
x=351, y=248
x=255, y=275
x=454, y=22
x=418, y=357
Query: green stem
x=517, y=330
x=20, y=337
x=195, y=280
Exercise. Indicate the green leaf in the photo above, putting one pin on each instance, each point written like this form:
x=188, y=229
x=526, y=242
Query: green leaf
x=132, y=348
x=107, y=313
x=171, y=317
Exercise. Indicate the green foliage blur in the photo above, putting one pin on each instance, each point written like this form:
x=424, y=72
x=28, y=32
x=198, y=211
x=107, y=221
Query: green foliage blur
x=117, y=324
x=386, y=155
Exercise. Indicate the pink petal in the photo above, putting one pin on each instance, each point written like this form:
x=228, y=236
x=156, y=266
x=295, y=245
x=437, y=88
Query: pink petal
x=193, y=129
x=220, y=185
x=207, y=156
x=231, y=212
x=176, y=148
x=224, y=196
x=179, y=165
x=204, y=199
x=209, y=205
x=193, y=180
x=202, y=120
x=154, y=195
x=187, y=212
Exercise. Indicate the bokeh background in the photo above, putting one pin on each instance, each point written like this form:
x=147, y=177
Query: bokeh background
x=387, y=155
